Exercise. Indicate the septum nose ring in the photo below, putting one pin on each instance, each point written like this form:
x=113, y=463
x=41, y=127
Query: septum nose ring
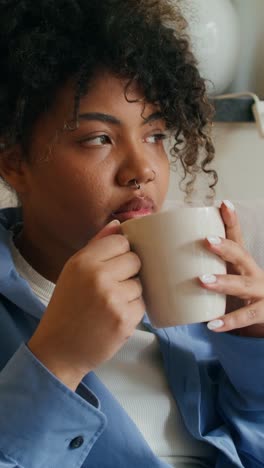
x=137, y=185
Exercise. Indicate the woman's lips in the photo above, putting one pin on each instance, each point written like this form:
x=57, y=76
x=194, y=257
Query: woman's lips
x=131, y=214
x=135, y=208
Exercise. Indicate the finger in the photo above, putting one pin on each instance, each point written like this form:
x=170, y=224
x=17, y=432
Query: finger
x=135, y=311
x=123, y=267
x=244, y=287
x=233, y=253
x=131, y=289
x=241, y=318
x=107, y=247
x=110, y=228
x=231, y=221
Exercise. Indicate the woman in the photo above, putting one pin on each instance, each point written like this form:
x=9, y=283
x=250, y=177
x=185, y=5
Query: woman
x=88, y=94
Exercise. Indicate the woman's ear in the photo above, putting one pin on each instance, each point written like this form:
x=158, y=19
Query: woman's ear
x=12, y=167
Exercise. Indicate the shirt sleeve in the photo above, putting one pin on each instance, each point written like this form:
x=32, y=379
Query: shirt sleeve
x=240, y=400
x=43, y=422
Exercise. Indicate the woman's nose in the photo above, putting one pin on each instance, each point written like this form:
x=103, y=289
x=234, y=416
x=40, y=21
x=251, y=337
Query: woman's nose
x=139, y=170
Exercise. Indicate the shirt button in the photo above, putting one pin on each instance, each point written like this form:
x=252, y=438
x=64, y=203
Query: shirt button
x=77, y=442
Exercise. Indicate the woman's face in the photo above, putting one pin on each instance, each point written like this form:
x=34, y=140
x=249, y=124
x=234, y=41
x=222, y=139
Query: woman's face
x=89, y=172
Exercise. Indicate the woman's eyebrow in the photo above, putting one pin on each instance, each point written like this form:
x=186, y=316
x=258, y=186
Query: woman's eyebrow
x=153, y=117
x=100, y=117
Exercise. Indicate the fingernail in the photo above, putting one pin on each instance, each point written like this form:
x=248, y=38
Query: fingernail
x=208, y=279
x=214, y=240
x=215, y=324
x=229, y=205
x=116, y=222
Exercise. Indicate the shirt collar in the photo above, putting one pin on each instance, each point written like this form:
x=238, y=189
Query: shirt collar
x=12, y=286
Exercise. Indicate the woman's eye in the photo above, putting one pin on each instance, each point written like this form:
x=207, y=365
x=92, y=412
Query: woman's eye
x=99, y=140
x=156, y=138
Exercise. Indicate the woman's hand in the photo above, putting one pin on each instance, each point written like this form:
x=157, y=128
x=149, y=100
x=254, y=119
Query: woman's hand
x=95, y=308
x=244, y=281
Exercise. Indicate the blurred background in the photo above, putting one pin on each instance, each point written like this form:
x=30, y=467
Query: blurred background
x=228, y=41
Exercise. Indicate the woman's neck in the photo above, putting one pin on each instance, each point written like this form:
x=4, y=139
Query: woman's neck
x=48, y=260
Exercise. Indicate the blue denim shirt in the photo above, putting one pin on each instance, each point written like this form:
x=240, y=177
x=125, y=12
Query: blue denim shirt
x=216, y=379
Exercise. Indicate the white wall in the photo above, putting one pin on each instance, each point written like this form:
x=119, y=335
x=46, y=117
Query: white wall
x=239, y=163
x=249, y=75
x=239, y=148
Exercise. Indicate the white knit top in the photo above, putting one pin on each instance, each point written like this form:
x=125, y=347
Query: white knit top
x=39, y=285
x=136, y=377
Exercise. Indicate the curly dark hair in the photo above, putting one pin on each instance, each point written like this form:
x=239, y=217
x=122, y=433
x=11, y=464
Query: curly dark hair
x=43, y=43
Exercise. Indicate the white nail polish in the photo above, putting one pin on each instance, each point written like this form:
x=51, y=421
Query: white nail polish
x=229, y=205
x=214, y=240
x=208, y=279
x=215, y=324
x=115, y=222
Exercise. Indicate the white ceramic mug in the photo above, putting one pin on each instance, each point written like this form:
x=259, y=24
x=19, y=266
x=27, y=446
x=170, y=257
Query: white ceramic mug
x=171, y=247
